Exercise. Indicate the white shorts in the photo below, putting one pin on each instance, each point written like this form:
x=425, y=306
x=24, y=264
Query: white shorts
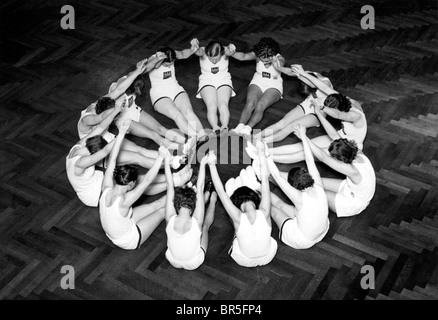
x=345, y=136
x=345, y=202
x=242, y=260
x=191, y=264
x=265, y=84
x=170, y=92
x=129, y=241
x=291, y=235
x=217, y=81
x=132, y=113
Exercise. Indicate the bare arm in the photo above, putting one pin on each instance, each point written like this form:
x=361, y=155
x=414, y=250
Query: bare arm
x=265, y=203
x=170, y=194
x=132, y=196
x=199, y=211
x=349, y=116
x=186, y=53
x=230, y=208
x=88, y=161
x=244, y=56
x=108, y=177
x=345, y=168
x=299, y=72
x=308, y=156
x=331, y=131
x=293, y=194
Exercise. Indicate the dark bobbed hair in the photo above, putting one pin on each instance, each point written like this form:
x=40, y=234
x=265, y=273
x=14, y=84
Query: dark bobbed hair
x=244, y=194
x=104, y=103
x=304, y=89
x=300, y=178
x=185, y=197
x=123, y=175
x=214, y=48
x=95, y=143
x=266, y=47
x=338, y=101
x=343, y=150
x=170, y=54
x=136, y=86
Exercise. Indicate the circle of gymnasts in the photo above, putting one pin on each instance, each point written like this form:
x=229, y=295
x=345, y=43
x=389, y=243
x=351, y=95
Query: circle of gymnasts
x=102, y=166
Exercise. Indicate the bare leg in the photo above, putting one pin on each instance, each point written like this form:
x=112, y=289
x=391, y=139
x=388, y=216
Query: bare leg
x=209, y=95
x=149, y=223
x=183, y=103
x=331, y=184
x=279, y=216
x=168, y=108
x=130, y=157
x=268, y=98
x=208, y=221
x=252, y=97
x=147, y=120
x=223, y=98
x=308, y=121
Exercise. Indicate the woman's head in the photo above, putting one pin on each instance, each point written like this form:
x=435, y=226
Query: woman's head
x=266, y=48
x=136, y=87
x=104, y=103
x=170, y=55
x=244, y=194
x=214, y=51
x=305, y=87
x=125, y=175
x=338, y=101
x=96, y=143
x=300, y=178
x=343, y=150
x=185, y=197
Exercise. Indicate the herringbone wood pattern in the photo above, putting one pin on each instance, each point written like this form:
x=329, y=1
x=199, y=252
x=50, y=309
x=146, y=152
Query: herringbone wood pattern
x=48, y=75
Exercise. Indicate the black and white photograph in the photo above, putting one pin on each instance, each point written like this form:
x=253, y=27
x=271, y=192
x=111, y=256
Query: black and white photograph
x=221, y=156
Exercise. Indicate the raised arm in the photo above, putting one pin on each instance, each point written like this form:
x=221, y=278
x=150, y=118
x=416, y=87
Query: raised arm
x=132, y=196
x=186, y=53
x=170, y=194
x=293, y=194
x=342, y=167
x=124, y=85
x=299, y=72
x=108, y=177
x=199, y=211
x=349, y=116
x=230, y=208
x=331, y=131
x=300, y=132
x=265, y=203
x=244, y=56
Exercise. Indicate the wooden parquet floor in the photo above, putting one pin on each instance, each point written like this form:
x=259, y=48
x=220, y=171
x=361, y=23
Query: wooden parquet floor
x=48, y=75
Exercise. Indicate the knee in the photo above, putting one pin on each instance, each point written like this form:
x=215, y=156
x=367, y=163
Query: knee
x=259, y=108
x=212, y=107
x=250, y=105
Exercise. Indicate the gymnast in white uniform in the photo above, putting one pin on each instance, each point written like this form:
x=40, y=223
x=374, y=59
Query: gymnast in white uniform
x=85, y=163
x=168, y=97
x=187, y=220
x=336, y=105
x=144, y=125
x=303, y=113
x=349, y=196
x=306, y=222
x=215, y=85
x=266, y=86
x=126, y=226
x=253, y=244
x=97, y=111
